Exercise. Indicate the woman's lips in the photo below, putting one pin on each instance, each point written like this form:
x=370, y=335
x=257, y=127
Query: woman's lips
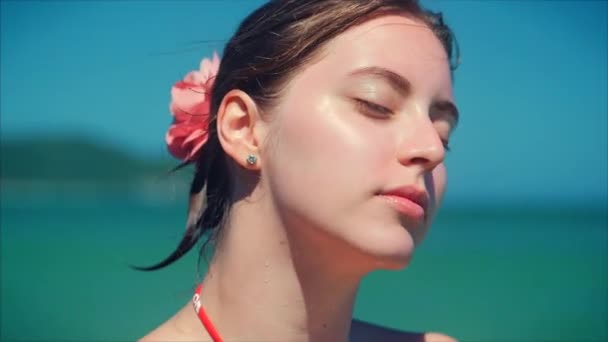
x=408, y=201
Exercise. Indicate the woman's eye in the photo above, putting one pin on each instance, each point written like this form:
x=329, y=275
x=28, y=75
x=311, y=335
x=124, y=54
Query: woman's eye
x=444, y=130
x=446, y=145
x=372, y=108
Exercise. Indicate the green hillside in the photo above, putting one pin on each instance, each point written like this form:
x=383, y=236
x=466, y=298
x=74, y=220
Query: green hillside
x=63, y=159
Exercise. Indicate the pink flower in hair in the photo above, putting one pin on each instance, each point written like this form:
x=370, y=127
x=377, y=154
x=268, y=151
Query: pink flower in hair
x=190, y=107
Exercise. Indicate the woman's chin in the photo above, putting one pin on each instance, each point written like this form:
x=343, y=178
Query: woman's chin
x=394, y=261
x=390, y=248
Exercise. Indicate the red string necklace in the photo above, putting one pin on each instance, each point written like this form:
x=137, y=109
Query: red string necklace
x=196, y=300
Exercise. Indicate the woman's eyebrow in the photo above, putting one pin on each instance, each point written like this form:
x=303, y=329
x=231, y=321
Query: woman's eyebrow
x=396, y=81
x=446, y=107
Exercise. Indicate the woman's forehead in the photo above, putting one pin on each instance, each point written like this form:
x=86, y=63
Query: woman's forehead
x=405, y=46
x=392, y=39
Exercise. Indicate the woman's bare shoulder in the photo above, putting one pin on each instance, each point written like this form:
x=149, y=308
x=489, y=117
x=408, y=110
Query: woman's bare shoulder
x=364, y=331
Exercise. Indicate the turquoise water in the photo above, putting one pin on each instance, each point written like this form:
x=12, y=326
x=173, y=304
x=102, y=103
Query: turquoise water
x=482, y=275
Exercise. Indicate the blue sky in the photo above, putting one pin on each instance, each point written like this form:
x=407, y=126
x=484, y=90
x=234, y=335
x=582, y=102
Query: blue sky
x=532, y=87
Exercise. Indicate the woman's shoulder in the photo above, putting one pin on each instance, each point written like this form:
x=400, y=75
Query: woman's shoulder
x=363, y=331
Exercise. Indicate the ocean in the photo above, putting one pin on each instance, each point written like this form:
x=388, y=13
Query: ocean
x=482, y=274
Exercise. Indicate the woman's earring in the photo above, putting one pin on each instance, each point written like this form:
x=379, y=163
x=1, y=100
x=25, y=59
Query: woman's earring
x=252, y=159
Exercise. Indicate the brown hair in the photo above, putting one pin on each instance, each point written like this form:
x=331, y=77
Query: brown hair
x=269, y=46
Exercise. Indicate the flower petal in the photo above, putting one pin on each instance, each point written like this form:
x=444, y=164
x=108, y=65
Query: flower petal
x=194, y=136
x=190, y=106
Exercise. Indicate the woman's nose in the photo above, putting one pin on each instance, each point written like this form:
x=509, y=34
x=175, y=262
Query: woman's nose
x=421, y=145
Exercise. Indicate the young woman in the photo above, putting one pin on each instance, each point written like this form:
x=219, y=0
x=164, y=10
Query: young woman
x=318, y=148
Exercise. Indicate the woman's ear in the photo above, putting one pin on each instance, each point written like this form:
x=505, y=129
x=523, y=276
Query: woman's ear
x=237, y=118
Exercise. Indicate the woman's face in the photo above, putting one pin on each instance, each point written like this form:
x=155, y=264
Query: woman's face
x=358, y=138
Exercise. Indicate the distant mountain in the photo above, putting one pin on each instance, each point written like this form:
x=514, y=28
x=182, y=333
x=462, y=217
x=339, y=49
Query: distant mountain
x=74, y=158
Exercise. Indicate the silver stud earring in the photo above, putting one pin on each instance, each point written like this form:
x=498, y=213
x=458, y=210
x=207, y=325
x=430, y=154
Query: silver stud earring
x=252, y=159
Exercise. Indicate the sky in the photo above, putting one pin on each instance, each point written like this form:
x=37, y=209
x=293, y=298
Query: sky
x=531, y=89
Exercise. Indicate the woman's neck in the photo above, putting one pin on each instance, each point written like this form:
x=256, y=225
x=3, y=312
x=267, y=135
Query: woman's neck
x=269, y=283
